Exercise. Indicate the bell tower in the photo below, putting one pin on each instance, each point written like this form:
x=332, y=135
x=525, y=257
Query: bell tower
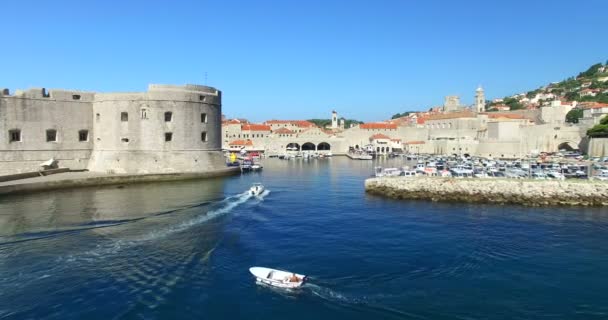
x=480, y=100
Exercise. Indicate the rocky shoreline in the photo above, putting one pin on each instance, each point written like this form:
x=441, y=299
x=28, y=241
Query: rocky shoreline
x=496, y=191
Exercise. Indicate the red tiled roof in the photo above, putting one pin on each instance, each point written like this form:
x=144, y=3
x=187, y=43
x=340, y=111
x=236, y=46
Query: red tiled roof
x=283, y=131
x=415, y=142
x=378, y=125
x=233, y=121
x=299, y=123
x=255, y=127
x=379, y=136
x=420, y=120
x=597, y=105
x=396, y=140
x=241, y=143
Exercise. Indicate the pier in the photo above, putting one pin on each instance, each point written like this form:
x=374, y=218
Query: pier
x=495, y=191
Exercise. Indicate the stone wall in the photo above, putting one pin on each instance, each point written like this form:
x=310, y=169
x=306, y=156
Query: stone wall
x=598, y=147
x=498, y=191
x=167, y=129
x=112, y=132
x=35, y=111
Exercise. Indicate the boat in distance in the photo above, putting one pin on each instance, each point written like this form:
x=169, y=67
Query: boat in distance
x=277, y=278
x=256, y=189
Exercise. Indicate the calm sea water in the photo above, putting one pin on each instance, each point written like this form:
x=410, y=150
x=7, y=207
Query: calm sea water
x=182, y=251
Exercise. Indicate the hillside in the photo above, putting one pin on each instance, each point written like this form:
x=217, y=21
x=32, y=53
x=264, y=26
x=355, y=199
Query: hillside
x=588, y=86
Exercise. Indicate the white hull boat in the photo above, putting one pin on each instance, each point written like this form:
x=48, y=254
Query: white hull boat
x=277, y=278
x=256, y=189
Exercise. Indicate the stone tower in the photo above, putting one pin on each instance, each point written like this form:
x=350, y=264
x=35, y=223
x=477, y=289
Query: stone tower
x=334, y=120
x=480, y=100
x=342, y=124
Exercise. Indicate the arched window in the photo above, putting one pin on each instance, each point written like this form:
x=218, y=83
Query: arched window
x=144, y=113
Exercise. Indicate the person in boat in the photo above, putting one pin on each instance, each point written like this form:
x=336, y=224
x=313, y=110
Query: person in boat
x=294, y=278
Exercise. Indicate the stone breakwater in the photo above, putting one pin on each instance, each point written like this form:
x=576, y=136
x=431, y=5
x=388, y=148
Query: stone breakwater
x=497, y=191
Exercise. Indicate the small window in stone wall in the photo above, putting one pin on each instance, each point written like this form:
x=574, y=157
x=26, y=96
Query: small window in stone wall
x=168, y=136
x=97, y=117
x=204, y=136
x=144, y=114
x=168, y=116
x=76, y=97
x=83, y=135
x=124, y=116
x=51, y=135
x=124, y=139
x=14, y=135
x=203, y=117
x=201, y=97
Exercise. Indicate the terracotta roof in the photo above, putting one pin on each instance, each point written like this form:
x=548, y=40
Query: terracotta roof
x=379, y=136
x=283, y=131
x=241, y=143
x=299, y=123
x=415, y=142
x=596, y=105
x=378, y=125
x=255, y=127
x=451, y=115
x=396, y=140
x=233, y=121
x=420, y=120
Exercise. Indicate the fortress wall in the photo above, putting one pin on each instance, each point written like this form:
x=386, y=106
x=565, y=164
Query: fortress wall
x=138, y=144
x=35, y=111
x=598, y=147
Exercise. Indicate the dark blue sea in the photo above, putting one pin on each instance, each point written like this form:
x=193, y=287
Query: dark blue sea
x=183, y=250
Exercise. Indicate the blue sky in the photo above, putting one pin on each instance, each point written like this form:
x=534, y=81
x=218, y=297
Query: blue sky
x=301, y=59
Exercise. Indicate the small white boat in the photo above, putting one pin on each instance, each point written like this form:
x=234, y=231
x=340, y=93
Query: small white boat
x=277, y=278
x=256, y=189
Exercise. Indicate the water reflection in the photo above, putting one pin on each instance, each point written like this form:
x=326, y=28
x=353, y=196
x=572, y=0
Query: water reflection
x=69, y=209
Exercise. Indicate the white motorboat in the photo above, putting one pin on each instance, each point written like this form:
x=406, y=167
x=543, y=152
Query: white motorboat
x=277, y=278
x=256, y=189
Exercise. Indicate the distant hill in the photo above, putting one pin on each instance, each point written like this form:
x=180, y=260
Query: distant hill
x=589, y=85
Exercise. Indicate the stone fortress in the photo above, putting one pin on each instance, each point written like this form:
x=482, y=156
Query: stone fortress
x=451, y=129
x=168, y=129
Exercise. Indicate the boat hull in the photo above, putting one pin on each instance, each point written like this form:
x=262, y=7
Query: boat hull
x=276, y=278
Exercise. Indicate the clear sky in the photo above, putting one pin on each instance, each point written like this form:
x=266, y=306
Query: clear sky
x=301, y=59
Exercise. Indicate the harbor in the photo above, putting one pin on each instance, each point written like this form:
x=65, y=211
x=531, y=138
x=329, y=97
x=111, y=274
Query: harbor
x=183, y=249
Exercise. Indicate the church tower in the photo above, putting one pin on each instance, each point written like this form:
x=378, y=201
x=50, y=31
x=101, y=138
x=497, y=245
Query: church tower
x=480, y=100
x=334, y=120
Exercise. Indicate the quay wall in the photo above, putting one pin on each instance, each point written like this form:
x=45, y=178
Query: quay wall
x=496, y=191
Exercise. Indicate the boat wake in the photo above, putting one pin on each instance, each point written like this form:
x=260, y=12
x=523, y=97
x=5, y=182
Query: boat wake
x=219, y=209
x=352, y=302
x=262, y=195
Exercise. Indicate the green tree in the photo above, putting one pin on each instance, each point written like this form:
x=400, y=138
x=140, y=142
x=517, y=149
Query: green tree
x=599, y=130
x=513, y=103
x=399, y=115
x=573, y=115
x=591, y=71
